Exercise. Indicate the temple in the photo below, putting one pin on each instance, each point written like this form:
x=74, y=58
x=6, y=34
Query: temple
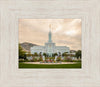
x=50, y=48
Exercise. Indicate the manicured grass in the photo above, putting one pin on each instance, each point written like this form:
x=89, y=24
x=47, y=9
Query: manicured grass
x=23, y=65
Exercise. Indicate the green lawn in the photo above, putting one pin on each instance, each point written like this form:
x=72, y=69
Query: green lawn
x=23, y=65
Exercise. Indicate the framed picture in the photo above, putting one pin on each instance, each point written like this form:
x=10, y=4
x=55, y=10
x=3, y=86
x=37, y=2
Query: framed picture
x=54, y=44
x=49, y=43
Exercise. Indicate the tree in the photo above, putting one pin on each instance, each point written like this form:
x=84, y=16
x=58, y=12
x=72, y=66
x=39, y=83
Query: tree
x=35, y=54
x=44, y=54
x=55, y=54
x=78, y=54
x=22, y=53
x=64, y=54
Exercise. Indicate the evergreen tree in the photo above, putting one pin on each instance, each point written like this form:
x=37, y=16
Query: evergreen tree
x=22, y=53
x=78, y=54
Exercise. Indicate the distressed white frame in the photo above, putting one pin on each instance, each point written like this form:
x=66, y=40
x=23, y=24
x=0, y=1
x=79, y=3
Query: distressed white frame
x=12, y=10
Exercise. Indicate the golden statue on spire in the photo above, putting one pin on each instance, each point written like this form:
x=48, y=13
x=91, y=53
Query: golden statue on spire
x=50, y=26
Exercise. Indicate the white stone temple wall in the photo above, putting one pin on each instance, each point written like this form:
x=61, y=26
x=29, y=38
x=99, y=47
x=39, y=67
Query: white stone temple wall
x=49, y=48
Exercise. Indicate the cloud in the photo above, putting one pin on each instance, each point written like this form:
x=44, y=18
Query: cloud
x=64, y=31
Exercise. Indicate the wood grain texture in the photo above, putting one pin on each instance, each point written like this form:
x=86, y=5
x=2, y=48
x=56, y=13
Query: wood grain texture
x=12, y=10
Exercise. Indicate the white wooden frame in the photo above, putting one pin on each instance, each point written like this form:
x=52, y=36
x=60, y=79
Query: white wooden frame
x=12, y=10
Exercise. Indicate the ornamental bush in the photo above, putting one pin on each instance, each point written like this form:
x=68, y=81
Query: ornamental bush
x=40, y=59
x=68, y=59
x=59, y=59
x=21, y=60
x=34, y=60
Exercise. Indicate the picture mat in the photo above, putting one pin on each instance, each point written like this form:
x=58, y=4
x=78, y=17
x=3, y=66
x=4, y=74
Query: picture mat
x=87, y=76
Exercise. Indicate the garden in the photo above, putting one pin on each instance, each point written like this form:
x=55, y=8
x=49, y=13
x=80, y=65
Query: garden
x=66, y=60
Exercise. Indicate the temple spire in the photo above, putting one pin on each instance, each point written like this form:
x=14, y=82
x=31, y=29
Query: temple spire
x=50, y=35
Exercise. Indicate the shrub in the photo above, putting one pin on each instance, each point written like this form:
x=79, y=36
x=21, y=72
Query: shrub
x=68, y=60
x=21, y=60
x=59, y=59
x=40, y=59
x=76, y=60
x=34, y=60
x=54, y=61
x=27, y=60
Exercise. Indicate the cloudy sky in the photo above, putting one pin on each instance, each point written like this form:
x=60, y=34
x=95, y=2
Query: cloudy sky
x=65, y=32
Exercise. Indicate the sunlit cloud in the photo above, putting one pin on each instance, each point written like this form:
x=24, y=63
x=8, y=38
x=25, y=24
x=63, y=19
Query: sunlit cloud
x=71, y=32
x=65, y=32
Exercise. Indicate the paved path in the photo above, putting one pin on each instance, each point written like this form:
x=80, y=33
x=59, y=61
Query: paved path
x=50, y=63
